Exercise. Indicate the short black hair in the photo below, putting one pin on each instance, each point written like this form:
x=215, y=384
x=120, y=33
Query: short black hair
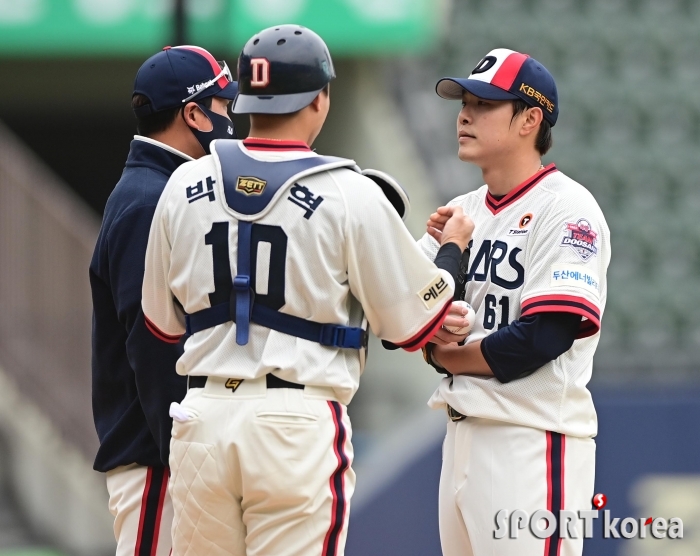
x=544, y=140
x=157, y=122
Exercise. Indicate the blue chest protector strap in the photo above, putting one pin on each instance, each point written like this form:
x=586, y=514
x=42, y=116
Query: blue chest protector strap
x=242, y=292
x=242, y=307
x=332, y=335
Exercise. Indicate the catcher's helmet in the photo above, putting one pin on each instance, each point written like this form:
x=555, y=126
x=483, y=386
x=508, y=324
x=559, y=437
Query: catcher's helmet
x=281, y=70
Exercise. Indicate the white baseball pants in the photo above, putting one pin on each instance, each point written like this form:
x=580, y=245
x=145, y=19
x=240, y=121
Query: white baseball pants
x=142, y=510
x=490, y=466
x=260, y=472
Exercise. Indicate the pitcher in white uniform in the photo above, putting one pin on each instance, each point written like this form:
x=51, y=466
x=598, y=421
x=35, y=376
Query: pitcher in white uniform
x=521, y=419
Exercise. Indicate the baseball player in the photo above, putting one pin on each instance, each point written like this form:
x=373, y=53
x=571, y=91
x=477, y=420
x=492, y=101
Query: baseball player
x=180, y=101
x=521, y=420
x=272, y=274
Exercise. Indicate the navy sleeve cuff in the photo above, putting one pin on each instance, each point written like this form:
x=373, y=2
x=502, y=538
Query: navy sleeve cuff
x=527, y=344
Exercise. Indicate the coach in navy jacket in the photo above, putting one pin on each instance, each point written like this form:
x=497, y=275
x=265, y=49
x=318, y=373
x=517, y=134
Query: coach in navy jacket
x=181, y=99
x=134, y=379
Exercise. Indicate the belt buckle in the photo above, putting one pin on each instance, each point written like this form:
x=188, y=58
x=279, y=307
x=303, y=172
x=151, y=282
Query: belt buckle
x=454, y=415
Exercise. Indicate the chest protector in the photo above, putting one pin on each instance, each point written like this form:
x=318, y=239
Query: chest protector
x=251, y=188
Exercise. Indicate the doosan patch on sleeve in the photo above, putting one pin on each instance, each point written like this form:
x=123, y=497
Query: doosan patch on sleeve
x=567, y=275
x=581, y=237
x=437, y=289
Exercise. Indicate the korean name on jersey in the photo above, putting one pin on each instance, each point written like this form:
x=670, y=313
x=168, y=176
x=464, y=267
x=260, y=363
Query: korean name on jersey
x=544, y=247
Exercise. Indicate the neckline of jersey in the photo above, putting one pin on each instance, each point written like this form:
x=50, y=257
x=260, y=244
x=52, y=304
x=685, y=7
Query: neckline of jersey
x=496, y=205
x=260, y=144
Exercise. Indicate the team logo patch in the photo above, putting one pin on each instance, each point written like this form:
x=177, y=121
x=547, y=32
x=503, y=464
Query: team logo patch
x=433, y=292
x=250, y=185
x=233, y=384
x=581, y=238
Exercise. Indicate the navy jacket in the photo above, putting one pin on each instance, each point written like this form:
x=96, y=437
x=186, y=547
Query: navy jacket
x=133, y=373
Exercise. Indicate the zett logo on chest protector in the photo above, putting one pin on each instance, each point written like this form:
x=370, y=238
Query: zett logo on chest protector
x=250, y=185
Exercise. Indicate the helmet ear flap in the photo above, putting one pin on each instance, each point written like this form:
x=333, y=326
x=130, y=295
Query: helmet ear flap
x=392, y=191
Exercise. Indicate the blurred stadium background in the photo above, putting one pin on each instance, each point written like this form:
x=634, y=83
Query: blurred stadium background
x=628, y=73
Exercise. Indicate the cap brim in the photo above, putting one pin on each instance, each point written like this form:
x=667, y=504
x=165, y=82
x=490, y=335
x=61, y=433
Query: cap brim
x=273, y=104
x=229, y=92
x=452, y=88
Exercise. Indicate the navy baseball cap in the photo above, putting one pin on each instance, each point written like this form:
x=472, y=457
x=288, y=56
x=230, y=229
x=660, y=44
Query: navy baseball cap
x=507, y=75
x=181, y=74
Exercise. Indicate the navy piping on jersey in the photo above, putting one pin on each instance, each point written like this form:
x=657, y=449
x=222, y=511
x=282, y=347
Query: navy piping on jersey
x=556, y=444
x=151, y=511
x=167, y=338
x=587, y=328
x=337, y=483
x=422, y=337
x=566, y=303
x=496, y=206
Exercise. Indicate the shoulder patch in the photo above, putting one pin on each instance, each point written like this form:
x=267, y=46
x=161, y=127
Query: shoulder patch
x=433, y=292
x=581, y=237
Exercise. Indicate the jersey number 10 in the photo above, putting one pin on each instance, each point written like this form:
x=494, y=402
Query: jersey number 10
x=275, y=237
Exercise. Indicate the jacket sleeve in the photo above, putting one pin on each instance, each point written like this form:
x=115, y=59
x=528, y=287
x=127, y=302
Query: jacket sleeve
x=152, y=360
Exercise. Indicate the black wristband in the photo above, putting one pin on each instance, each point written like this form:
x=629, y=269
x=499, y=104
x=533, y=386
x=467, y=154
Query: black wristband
x=428, y=356
x=448, y=258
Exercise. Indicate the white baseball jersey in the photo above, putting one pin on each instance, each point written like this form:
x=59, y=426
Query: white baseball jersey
x=544, y=247
x=346, y=251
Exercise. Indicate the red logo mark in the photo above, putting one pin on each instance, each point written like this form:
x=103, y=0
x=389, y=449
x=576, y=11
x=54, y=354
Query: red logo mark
x=600, y=501
x=648, y=521
x=260, y=69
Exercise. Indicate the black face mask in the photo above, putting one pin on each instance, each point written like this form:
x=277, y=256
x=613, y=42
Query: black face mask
x=222, y=128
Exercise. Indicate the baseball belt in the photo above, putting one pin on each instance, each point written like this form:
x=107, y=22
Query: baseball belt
x=453, y=414
x=271, y=380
